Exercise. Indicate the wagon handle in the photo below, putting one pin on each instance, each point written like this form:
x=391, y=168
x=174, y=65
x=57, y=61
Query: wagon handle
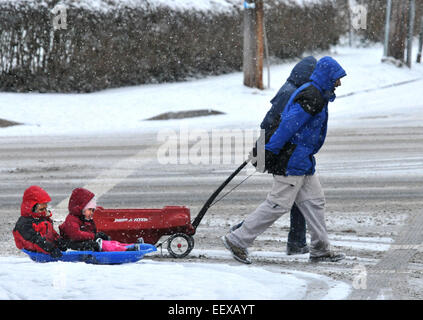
x=209, y=202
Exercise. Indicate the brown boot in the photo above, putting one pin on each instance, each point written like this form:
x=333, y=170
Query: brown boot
x=238, y=253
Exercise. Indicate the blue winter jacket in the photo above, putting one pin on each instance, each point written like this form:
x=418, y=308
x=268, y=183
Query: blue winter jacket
x=300, y=74
x=302, y=130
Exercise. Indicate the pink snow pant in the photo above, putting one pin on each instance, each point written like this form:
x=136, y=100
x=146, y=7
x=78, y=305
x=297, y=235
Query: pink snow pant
x=114, y=246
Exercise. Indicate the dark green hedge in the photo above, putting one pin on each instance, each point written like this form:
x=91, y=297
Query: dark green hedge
x=131, y=46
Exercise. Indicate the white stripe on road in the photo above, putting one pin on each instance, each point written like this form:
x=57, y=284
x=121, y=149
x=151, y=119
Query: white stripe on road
x=108, y=179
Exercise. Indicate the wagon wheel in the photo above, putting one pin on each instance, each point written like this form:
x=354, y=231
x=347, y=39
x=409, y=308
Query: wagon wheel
x=180, y=245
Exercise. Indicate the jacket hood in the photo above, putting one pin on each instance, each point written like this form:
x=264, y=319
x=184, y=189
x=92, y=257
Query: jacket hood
x=327, y=71
x=31, y=197
x=78, y=200
x=302, y=71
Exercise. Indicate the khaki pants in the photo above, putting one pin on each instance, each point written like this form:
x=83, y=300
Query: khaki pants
x=307, y=193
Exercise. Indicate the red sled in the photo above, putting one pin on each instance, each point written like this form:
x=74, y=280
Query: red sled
x=130, y=225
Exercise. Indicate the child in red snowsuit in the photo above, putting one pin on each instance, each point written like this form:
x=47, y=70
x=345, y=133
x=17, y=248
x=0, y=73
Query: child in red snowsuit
x=34, y=229
x=79, y=228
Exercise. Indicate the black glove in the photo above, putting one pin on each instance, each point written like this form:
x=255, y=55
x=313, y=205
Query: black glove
x=253, y=155
x=53, y=250
x=271, y=161
x=56, y=253
x=257, y=161
x=62, y=244
x=101, y=235
x=261, y=158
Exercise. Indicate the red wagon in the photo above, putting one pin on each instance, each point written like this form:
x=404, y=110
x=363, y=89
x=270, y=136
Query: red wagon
x=128, y=225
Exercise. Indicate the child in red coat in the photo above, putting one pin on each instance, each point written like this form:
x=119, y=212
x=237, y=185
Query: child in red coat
x=79, y=228
x=34, y=229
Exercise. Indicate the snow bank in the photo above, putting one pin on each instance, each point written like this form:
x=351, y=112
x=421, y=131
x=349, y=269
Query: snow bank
x=22, y=278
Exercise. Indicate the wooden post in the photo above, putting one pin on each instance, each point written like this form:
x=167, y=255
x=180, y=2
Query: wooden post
x=398, y=30
x=260, y=44
x=249, y=48
x=253, y=44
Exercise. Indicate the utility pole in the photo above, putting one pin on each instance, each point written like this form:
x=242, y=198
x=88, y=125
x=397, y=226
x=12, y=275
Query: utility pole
x=419, y=55
x=387, y=28
x=398, y=30
x=253, y=43
x=411, y=16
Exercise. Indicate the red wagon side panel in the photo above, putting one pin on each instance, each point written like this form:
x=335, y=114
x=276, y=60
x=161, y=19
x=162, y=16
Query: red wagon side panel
x=127, y=225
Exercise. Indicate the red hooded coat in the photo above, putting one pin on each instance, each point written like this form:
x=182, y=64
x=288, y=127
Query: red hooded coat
x=75, y=227
x=34, y=231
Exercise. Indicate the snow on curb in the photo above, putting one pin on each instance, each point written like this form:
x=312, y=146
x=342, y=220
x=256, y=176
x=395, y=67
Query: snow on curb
x=24, y=279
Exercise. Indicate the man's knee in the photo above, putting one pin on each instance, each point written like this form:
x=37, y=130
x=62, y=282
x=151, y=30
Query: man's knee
x=317, y=203
x=272, y=209
x=279, y=206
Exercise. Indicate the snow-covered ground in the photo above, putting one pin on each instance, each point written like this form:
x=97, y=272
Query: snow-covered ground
x=362, y=100
x=153, y=280
x=373, y=94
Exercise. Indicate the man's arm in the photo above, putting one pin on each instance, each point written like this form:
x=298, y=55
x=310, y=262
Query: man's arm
x=290, y=125
x=307, y=104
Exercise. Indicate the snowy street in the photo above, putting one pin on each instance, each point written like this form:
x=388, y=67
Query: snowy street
x=370, y=168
